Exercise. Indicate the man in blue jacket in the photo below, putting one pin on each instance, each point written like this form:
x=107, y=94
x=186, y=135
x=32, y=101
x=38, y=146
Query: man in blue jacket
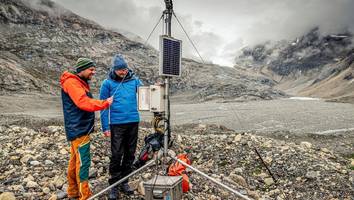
x=121, y=122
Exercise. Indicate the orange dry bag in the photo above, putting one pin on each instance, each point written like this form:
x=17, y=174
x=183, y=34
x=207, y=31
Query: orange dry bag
x=177, y=169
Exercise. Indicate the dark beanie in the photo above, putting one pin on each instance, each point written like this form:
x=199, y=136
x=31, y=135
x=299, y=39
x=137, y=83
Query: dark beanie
x=84, y=63
x=119, y=62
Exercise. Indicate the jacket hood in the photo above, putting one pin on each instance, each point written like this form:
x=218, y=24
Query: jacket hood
x=70, y=75
x=128, y=77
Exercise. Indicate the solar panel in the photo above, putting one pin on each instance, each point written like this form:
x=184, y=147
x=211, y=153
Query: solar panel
x=170, y=56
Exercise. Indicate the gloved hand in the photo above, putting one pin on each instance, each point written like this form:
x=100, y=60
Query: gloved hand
x=107, y=133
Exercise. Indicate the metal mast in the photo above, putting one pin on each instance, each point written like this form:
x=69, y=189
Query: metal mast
x=167, y=16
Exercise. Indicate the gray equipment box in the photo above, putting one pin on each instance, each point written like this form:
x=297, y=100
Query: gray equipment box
x=163, y=188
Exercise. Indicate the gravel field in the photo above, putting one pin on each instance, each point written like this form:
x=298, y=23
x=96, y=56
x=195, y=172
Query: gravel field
x=327, y=124
x=293, y=115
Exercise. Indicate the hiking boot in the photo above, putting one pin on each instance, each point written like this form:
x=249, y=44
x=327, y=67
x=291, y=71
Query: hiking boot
x=126, y=189
x=113, y=194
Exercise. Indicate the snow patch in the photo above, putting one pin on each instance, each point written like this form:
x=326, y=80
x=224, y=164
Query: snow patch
x=334, y=131
x=305, y=98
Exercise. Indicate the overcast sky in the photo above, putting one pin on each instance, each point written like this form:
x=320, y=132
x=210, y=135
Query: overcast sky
x=219, y=28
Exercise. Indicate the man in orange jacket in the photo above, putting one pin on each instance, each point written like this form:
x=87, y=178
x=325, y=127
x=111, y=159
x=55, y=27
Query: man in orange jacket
x=79, y=117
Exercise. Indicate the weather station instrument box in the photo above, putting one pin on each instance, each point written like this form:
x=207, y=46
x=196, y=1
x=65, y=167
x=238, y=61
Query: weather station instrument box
x=144, y=98
x=163, y=188
x=151, y=98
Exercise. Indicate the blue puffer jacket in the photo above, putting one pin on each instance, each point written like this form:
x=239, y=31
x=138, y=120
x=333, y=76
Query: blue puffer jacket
x=124, y=108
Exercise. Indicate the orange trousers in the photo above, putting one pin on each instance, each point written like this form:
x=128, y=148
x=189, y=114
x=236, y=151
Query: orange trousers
x=78, y=169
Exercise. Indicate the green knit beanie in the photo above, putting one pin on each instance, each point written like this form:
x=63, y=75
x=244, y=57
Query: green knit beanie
x=83, y=63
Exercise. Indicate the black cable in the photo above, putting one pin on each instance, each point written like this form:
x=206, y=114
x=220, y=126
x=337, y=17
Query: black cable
x=265, y=165
x=195, y=48
x=259, y=155
x=256, y=150
x=153, y=29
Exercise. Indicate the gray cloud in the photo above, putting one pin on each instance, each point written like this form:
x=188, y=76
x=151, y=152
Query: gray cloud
x=47, y=6
x=220, y=28
x=290, y=19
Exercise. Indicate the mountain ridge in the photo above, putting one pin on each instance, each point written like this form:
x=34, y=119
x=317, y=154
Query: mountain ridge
x=301, y=65
x=43, y=45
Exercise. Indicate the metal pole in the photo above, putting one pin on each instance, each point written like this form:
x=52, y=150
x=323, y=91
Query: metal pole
x=212, y=179
x=167, y=113
x=168, y=16
x=167, y=31
x=123, y=179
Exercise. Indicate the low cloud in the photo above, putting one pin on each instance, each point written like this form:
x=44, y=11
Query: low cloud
x=220, y=28
x=47, y=6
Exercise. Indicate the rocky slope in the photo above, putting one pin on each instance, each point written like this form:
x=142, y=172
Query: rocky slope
x=302, y=66
x=40, y=39
x=337, y=85
x=34, y=161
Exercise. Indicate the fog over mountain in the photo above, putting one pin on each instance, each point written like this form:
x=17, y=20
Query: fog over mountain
x=221, y=28
x=41, y=39
x=293, y=56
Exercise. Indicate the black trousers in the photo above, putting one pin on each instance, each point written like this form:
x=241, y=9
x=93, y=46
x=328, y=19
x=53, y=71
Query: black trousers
x=124, y=139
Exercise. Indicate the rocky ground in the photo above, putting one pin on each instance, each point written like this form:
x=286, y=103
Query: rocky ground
x=33, y=163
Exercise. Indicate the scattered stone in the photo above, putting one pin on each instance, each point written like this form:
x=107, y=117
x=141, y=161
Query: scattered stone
x=202, y=126
x=18, y=188
x=312, y=174
x=325, y=150
x=274, y=192
x=268, y=144
x=7, y=196
x=134, y=184
x=27, y=195
x=93, y=173
x=31, y=184
x=35, y=163
x=146, y=176
x=306, y=145
x=269, y=181
x=53, y=197
x=26, y=158
x=28, y=178
x=48, y=162
x=53, y=129
x=65, y=186
x=179, y=139
x=58, y=182
x=61, y=195
x=237, y=170
x=49, y=174
x=262, y=175
x=237, y=138
x=46, y=190
x=63, y=152
x=268, y=160
x=239, y=180
x=253, y=194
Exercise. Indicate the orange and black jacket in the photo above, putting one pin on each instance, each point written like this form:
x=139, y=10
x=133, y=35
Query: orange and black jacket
x=78, y=106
